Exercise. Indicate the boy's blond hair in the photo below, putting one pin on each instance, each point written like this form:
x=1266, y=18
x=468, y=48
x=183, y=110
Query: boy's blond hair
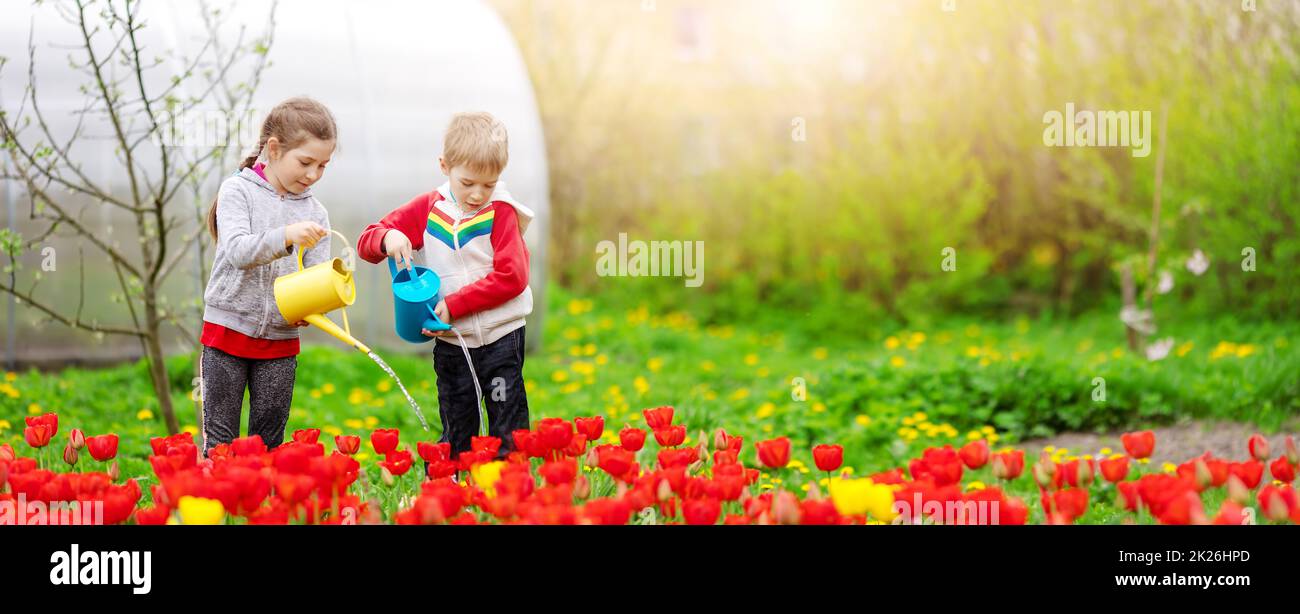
x=478, y=141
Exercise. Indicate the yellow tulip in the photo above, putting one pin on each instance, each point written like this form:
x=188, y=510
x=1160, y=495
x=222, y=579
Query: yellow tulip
x=197, y=510
x=854, y=497
x=486, y=476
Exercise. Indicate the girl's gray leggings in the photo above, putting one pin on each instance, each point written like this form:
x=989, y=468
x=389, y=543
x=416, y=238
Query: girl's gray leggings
x=270, y=393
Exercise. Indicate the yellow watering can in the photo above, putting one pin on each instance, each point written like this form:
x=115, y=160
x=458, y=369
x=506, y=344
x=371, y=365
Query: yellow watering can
x=308, y=294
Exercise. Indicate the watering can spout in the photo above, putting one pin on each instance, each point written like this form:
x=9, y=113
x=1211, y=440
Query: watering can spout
x=309, y=293
x=324, y=323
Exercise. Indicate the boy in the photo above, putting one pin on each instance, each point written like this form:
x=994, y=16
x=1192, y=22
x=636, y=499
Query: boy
x=470, y=232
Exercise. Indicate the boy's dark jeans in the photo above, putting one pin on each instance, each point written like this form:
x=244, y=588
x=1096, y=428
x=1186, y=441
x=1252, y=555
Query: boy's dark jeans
x=500, y=367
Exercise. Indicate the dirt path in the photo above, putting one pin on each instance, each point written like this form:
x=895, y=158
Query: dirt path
x=1174, y=444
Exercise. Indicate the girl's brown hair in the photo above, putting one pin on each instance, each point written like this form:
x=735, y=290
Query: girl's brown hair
x=291, y=122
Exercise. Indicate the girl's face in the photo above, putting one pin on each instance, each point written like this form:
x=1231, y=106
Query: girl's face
x=295, y=170
x=472, y=189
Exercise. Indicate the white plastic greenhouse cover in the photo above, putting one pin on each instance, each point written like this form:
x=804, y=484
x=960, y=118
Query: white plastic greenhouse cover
x=393, y=72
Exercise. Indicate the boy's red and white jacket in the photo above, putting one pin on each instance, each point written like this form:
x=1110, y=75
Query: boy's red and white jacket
x=479, y=255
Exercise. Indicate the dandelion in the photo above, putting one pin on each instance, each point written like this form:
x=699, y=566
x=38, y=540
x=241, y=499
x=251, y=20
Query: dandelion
x=144, y=414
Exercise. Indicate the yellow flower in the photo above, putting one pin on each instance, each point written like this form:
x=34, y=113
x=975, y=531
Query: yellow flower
x=863, y=420
x=33, y=409
x=314, y=393
x=354, y=424
x=891, y=342
x=191, y=429
x=384, y=385
x=818, y=407
x=560, y=376
x=897, y=361
x=332, y=430
x=371, y=422
x=197, y=510
x=486, y=476
x=751, y=359
x=740, y=394
x=10, y=376
x=361, y=456
x=973, y=435
x=641, y=384
x=1169, y=467
x=765, y=410
x=975, y=485
x=328, y=388
x=144, y=414
x=1104, y=452
x=820, y=353
x=854, y=497
x=654, y=364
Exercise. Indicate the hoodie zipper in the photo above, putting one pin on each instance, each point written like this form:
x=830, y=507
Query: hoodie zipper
x=455, y=239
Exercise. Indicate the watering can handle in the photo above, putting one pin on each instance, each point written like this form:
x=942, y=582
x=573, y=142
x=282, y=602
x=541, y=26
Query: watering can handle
x=346, y=328
x=439, y=324
x=301, y=250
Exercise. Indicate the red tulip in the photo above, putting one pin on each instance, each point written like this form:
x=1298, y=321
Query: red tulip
x=1071, y=502
x=70, y=455
x=555, y=433
x=1114, y=469
x=616, y=461
x=828, y=458
x=347, y=444
x=671, y=435
x=77, y=438
x=397, y=462
x=7, y=453
x=1277, y=502
x=434, y=452
x=593, y=428
x=384, y=440
x=102, y=447
x=975, y=454
x=610, y=512
x=490, y=445
x=306, y=435
x=577, y=445
x=1128, y=495
x=658, y=417
x=37, y=436
x=1282, y=469
x=1258, y=447
x=774, y=453
x=1140, y=444
x=703, y=511
x=48, y=420
x=248, y=446
x=558, y=472
x=941, y=465
x=1009, y=465
x=633, y=439
x=1250, y=472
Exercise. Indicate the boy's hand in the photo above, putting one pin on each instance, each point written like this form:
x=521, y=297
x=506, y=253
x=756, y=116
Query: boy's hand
x=398, y=247
x=440, y=311
x=301, y=323
x=305, y=234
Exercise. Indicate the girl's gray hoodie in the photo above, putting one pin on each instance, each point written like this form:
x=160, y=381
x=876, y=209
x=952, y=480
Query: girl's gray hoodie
x=251, y=218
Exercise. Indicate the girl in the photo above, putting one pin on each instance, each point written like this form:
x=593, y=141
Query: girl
x=261, y=215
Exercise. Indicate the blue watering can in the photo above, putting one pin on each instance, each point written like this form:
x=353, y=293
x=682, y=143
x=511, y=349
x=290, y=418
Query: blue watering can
x=415, y=295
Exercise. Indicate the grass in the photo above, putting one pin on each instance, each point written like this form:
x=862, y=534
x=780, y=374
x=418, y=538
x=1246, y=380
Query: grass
x=885, y=397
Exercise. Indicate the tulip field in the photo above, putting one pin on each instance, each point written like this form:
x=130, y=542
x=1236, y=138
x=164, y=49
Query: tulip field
x=647, y=418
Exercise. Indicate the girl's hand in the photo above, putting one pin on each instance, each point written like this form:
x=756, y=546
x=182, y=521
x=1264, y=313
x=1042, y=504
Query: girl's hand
x=305, y=234
x=398, y=247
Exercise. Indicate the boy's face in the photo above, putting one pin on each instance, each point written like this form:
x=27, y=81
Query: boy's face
x=472, y=188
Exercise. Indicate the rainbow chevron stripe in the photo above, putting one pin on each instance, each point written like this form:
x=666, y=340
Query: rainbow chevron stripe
x=476, y=226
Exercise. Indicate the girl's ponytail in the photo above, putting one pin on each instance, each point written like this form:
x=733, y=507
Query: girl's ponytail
x=247, y=163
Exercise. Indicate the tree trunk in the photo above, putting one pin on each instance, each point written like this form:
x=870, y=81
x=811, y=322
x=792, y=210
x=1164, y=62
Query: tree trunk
x=157, y=366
